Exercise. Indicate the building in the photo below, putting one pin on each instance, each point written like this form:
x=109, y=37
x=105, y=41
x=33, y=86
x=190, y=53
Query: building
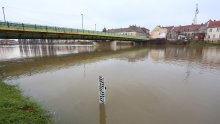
x=200, y=35
x=160, y=32
x=213, y=31
x=131, y=30
x=187, y=32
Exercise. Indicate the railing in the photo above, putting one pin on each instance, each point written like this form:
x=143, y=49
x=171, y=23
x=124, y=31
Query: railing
x=34, y=27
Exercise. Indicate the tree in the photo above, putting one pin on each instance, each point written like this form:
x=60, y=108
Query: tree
x=104, y=30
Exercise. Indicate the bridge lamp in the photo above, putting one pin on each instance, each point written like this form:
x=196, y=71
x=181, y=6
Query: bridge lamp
x=3, y=10
x=82, y=21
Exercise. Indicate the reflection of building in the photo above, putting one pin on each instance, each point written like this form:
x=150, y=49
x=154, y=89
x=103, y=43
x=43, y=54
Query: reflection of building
x=211, y=55
x=136, y=56
x=131, y=30
x=182, y=53
x=156, y=54
x=213, y=31
x=207, y=56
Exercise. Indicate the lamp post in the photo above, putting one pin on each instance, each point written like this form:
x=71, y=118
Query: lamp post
x=82, y=21
x=3, y=10
x=95, y=27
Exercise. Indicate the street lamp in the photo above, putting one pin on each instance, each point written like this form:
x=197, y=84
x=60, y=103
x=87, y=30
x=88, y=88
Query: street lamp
x=82, y=21
x=3, y=10
x=95, y=27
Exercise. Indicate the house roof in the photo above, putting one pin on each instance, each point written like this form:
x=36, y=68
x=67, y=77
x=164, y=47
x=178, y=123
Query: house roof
x=169, y=28
x=192, y=27
x=129, y=29
x=213, y=24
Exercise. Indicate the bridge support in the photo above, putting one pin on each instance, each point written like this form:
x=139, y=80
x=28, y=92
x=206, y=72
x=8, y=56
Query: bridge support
x=114, y=45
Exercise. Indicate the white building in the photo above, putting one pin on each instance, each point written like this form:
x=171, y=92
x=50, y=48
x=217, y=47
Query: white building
x=213, y=32
x=131, y=30
x=160, y=32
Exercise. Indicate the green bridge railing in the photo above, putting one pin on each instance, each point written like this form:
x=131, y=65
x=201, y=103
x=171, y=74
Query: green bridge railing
x=35, y=27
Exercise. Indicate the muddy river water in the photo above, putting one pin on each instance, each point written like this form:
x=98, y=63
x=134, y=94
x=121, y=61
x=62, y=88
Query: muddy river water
x=145, y=85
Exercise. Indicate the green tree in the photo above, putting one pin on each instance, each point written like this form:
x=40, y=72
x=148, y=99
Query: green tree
x=104, y=30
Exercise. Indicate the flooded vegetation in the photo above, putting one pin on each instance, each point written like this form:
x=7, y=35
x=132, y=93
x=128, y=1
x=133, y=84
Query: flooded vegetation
x=151, y=84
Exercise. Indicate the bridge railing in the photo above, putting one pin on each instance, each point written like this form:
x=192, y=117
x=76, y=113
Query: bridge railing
x=43, y=28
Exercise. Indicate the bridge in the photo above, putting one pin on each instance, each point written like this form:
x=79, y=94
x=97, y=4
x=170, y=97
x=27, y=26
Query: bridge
x=10, y=30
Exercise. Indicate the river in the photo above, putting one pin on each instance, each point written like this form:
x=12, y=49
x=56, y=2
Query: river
x=145, y=85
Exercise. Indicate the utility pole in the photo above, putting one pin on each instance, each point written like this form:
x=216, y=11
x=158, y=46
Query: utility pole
x=95, y=27
x=82, y=21
x=3, y=10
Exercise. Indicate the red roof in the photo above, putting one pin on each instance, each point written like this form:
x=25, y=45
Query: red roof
x=213, y=24
x=169, y=28
x=131, y=28
x=192, y=27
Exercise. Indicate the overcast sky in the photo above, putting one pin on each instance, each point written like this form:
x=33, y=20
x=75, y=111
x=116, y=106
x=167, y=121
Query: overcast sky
x=109, y=13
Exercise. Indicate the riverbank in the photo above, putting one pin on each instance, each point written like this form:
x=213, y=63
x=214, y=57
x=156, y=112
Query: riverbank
x=192, y=43
x=15, y=108
x=201, y=43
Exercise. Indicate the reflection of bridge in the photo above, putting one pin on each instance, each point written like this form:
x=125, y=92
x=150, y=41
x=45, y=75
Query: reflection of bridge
x=10, y=30
x=39, y=64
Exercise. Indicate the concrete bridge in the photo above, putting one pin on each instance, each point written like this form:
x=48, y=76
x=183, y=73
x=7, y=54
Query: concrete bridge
x=9, y=30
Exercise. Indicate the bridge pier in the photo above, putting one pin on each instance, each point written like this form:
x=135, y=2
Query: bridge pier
x=114, y=45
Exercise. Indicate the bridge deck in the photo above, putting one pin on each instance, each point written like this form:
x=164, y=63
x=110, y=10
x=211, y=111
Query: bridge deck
x=33, y=31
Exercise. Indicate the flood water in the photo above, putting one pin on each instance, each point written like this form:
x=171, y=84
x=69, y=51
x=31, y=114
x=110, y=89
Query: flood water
x=145, y=85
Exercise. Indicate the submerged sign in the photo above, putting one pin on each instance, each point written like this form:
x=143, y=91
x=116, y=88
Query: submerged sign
x=102, y=89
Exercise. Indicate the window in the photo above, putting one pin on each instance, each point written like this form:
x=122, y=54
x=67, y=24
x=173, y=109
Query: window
x=208, y=36
x=210, y=30
x=219, y=36
x=218, y=29
x=214, y=36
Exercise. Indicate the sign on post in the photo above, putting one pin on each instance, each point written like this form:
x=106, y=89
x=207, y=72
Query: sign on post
x=102, y=89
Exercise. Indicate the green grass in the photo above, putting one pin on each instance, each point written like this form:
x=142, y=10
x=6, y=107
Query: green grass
x=201, y=44
x=17, y=109
x=196, y=44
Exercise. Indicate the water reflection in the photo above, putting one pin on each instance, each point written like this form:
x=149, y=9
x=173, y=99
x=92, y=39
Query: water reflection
x=153, y=84
x=207, y=57
x=102, y=114
x=27, y=51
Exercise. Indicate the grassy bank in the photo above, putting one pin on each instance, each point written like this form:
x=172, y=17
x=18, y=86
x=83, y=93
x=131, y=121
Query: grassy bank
x=201, y=43
x=15, y=108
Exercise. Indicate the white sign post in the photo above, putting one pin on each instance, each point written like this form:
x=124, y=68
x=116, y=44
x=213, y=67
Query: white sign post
x=102, y=89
